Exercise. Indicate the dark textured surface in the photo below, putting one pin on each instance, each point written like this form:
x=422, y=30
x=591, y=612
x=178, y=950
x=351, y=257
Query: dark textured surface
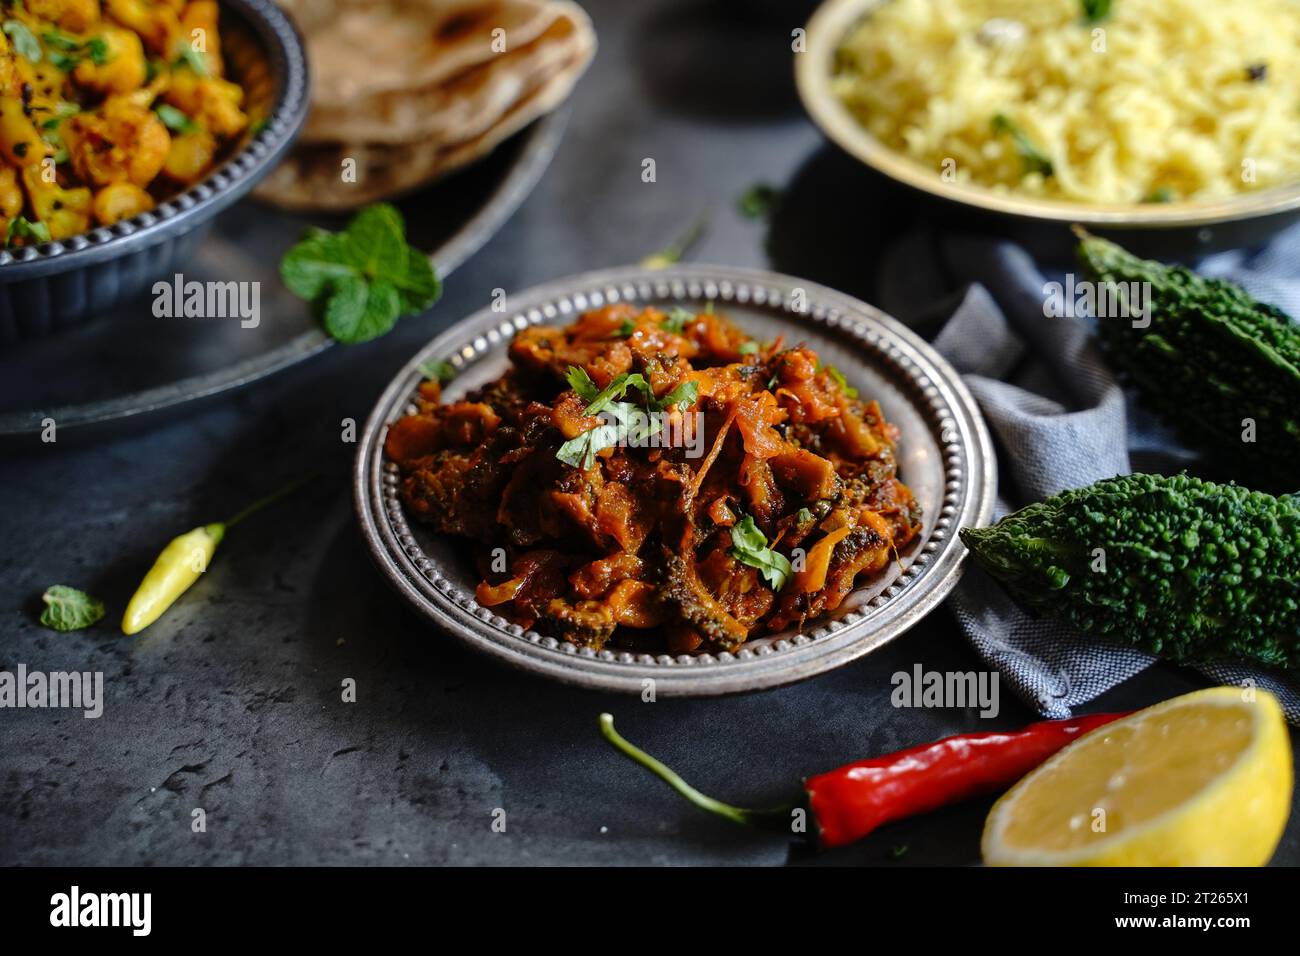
x=232, y=702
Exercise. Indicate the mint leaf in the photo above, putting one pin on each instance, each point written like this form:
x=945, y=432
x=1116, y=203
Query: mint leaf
x=368, y=268
x=359, y=311
x=377, y=242
x=312, y=265
x=25, y=42
x=418, y=285
x=67, y=609
x=749, y=546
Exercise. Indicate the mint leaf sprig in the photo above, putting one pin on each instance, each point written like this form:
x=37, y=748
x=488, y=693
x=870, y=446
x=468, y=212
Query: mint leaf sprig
x=67, y=609
x=362, y=279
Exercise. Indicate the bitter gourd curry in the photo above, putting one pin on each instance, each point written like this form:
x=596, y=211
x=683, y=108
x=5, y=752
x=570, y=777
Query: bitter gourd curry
x=659, y=481
x=1183, y=568
x=105, y=109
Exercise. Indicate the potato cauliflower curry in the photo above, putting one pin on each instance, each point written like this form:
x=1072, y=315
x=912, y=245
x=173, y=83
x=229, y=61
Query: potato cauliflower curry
x=659, y=481
x=106, y=106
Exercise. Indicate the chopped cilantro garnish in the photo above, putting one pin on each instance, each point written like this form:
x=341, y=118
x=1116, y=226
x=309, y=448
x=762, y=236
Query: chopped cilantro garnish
x=441, y=370
x=175, y=120
x=23, y=228
x=749, y=546
x=838, y=378
x=677, y=320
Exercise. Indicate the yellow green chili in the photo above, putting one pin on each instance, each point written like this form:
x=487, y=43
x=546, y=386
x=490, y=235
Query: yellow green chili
x=181, y=562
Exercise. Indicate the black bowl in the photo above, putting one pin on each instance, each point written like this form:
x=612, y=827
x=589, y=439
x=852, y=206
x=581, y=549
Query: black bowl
x=58, y=284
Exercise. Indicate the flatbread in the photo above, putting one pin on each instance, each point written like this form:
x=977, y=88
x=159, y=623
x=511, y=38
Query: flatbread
x=462, y=108
x=361, y=48
x=309, y=180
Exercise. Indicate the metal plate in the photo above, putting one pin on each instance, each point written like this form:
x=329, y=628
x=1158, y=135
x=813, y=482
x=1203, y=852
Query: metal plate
x=98, y=374
x=1203, y=225
x=945, y=456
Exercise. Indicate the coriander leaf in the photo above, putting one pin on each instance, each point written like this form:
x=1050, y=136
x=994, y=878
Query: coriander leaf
x=442, y=370
x=629, y=425
x=25, y=42
x=803, y=516
x=677, y=320
x=174, y=119
x=581, y=383
x=1095, y=10
x=626, y=328
x=580, y=452
x=64, y=61
x=188, y=56
x=1160, y=194
x=1034, y=159
x=359, y=311
x=23, y=228
x=61, y=112
x=684, y=395
x=749, y=348
x=616, y=390
x=98, y=50
x=749, y=546
x=838, y=378
x=757, y=201
x=67, y=609
x=60, y=41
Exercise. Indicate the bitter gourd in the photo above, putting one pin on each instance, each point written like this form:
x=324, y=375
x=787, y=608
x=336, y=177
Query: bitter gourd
x=1221, y=367
x=1184, y=568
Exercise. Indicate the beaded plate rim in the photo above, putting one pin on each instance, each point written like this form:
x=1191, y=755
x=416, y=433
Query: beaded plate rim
x=937, y=393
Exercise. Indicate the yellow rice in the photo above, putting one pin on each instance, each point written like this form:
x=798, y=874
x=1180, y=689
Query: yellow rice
x=1156, y=100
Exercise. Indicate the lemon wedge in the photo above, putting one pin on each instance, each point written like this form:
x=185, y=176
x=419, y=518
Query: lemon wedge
x=1200, y=780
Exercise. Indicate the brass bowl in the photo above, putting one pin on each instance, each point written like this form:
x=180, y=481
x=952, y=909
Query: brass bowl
x=1175, y=228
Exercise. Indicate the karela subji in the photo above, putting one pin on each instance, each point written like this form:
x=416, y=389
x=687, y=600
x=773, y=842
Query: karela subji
x=1184, y=568
x=1211, y=362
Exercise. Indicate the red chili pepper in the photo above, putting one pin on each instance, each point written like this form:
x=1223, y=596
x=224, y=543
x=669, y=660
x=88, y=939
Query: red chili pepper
x=848, y=803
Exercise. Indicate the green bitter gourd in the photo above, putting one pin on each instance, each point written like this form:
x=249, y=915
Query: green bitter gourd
x=1183, y=568
x=1221, y=367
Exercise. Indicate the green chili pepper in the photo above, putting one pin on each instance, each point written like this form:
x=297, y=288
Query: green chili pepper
x=182, y=561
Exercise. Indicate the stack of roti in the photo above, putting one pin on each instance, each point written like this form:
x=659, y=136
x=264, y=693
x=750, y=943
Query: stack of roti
x=411, y=89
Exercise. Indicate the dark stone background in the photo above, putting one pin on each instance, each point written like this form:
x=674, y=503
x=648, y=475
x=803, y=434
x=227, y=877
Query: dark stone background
x=232, y=701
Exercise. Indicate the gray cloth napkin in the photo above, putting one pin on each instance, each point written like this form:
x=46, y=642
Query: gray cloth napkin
x=1060, y=420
